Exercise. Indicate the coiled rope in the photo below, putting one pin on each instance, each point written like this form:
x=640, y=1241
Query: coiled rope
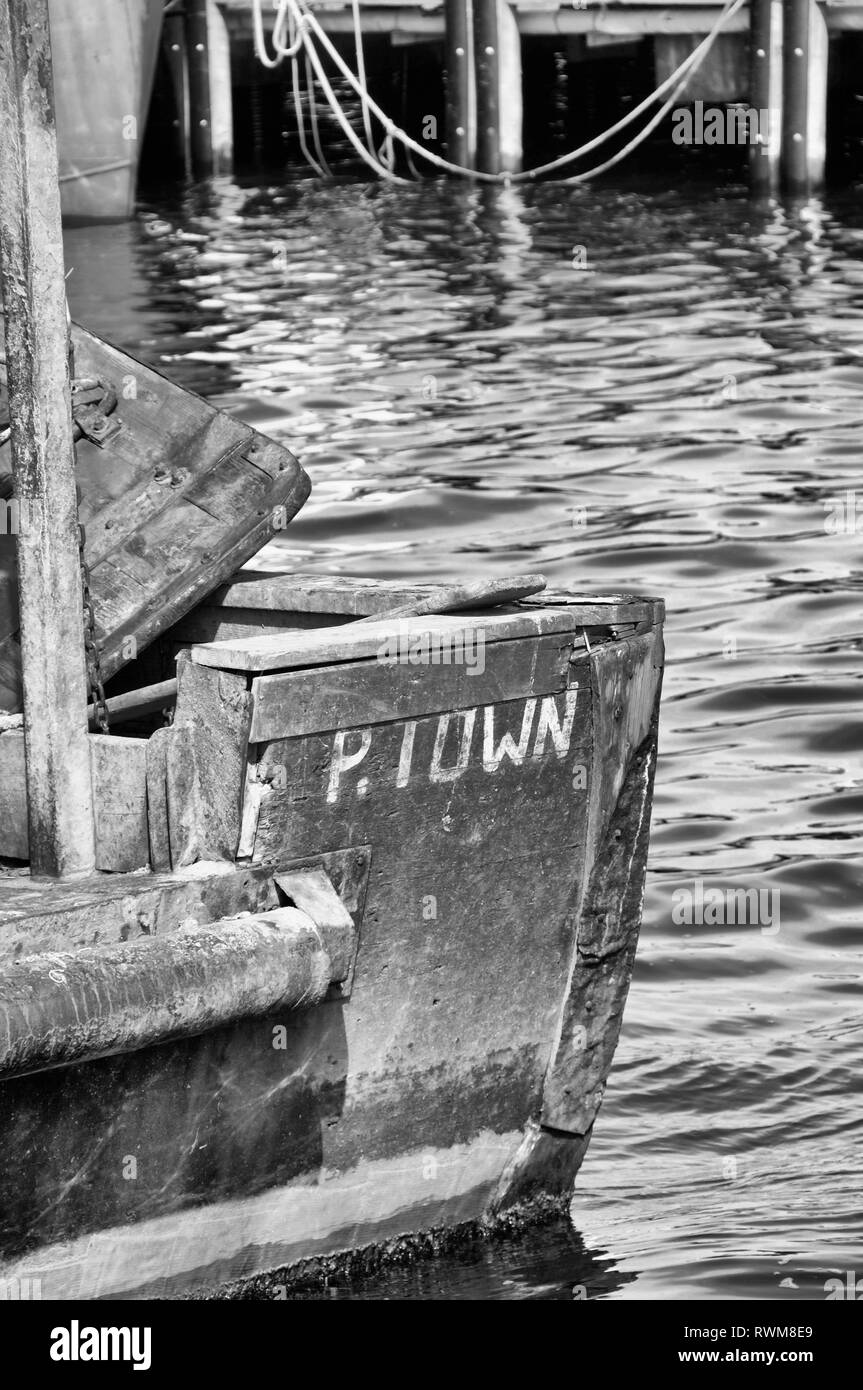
x=297, y=26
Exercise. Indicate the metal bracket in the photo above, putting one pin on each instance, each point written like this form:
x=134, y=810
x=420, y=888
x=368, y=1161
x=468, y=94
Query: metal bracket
x=331, y=888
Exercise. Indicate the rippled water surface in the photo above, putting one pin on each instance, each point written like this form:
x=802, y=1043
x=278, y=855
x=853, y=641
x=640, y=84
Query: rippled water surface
x=675, y=409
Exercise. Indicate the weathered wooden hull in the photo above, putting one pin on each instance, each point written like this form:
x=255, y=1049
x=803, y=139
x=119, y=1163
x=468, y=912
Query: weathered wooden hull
x=104, y=62
x=495, y=887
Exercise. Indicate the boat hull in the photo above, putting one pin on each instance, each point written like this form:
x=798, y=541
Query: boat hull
x=496, y=888
x=104, y=63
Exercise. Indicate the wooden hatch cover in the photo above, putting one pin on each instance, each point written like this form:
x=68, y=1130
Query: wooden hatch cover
x=176, y=497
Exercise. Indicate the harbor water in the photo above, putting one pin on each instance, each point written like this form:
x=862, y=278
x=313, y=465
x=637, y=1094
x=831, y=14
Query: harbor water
x=655, y=390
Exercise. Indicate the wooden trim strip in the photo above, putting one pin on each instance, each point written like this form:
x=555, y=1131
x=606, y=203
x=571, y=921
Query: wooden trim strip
x=357, y=694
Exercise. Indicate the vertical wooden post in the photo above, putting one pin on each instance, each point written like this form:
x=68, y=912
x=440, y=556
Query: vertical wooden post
x=805, y=95
x=200, y=113
x=460, y=139
x=765, y=92
x=510, y=90
x=221, y=92
x=486, y=49
x=62, y=841
x=174, y=41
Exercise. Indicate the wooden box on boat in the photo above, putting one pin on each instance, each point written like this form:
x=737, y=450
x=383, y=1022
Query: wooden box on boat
x=480, y=830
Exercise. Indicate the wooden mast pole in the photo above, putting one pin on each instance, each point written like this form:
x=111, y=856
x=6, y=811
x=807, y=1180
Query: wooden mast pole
x=60, y=799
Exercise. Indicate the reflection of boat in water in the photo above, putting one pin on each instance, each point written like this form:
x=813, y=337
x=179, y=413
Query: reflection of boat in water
x=104, y=61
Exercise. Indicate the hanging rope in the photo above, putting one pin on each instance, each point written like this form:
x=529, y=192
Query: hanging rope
x=313, y=116
x=361, y=74
x=292, y=51
x=309, y=32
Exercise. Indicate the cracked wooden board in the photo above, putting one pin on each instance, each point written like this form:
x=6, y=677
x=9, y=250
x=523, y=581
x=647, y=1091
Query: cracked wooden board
x=173, y=505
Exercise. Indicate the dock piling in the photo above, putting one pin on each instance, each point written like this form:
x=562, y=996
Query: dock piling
x=59, y=791
x=460, y=96
x=200, y=110
x=487, y=66
x=765, y=67
x=804, y=120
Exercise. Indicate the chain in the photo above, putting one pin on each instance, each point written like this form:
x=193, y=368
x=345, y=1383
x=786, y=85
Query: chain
x=91, y=646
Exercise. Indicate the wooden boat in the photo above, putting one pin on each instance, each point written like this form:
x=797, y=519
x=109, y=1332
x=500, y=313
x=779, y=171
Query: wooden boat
x=104, y=63
x=470, y=849
x=336, y=957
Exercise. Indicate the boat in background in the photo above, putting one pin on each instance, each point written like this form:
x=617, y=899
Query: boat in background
x=105, y=55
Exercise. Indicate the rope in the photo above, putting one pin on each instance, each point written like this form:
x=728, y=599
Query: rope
x=361, y=74
x=343, y=121
x=313, y=116
x=298, y=103
x=306, y=24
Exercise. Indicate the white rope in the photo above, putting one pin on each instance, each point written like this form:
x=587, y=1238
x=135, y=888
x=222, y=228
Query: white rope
x=313, y=117
x=282, y=49
x=679, y=76
x=306, y=23
x=677, y=80
x=361, y=74
x=345, y=124
x=643, y=134
x=298, y=104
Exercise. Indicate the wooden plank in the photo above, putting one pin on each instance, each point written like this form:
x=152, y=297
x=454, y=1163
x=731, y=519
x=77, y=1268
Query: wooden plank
x=157, y=800
x=41, y=915
x=206, y=764
x=317, y=593
x=207, y=624
x=478, y=593
x=120, y=802
x=119, y=793
x=604, y=610
x=60, y=800
x=434, y=791
x=296, y=703
x=355, y=641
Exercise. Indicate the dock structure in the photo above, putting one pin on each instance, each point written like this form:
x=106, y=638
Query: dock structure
x=771, y=54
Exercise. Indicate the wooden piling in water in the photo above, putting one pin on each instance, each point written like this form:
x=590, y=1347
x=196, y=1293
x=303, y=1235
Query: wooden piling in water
x=765, y=92
x=200, y=110
x=174, y=43
x=804, y=120
x=60, y=800
x=460, y=120
x=486, y=48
